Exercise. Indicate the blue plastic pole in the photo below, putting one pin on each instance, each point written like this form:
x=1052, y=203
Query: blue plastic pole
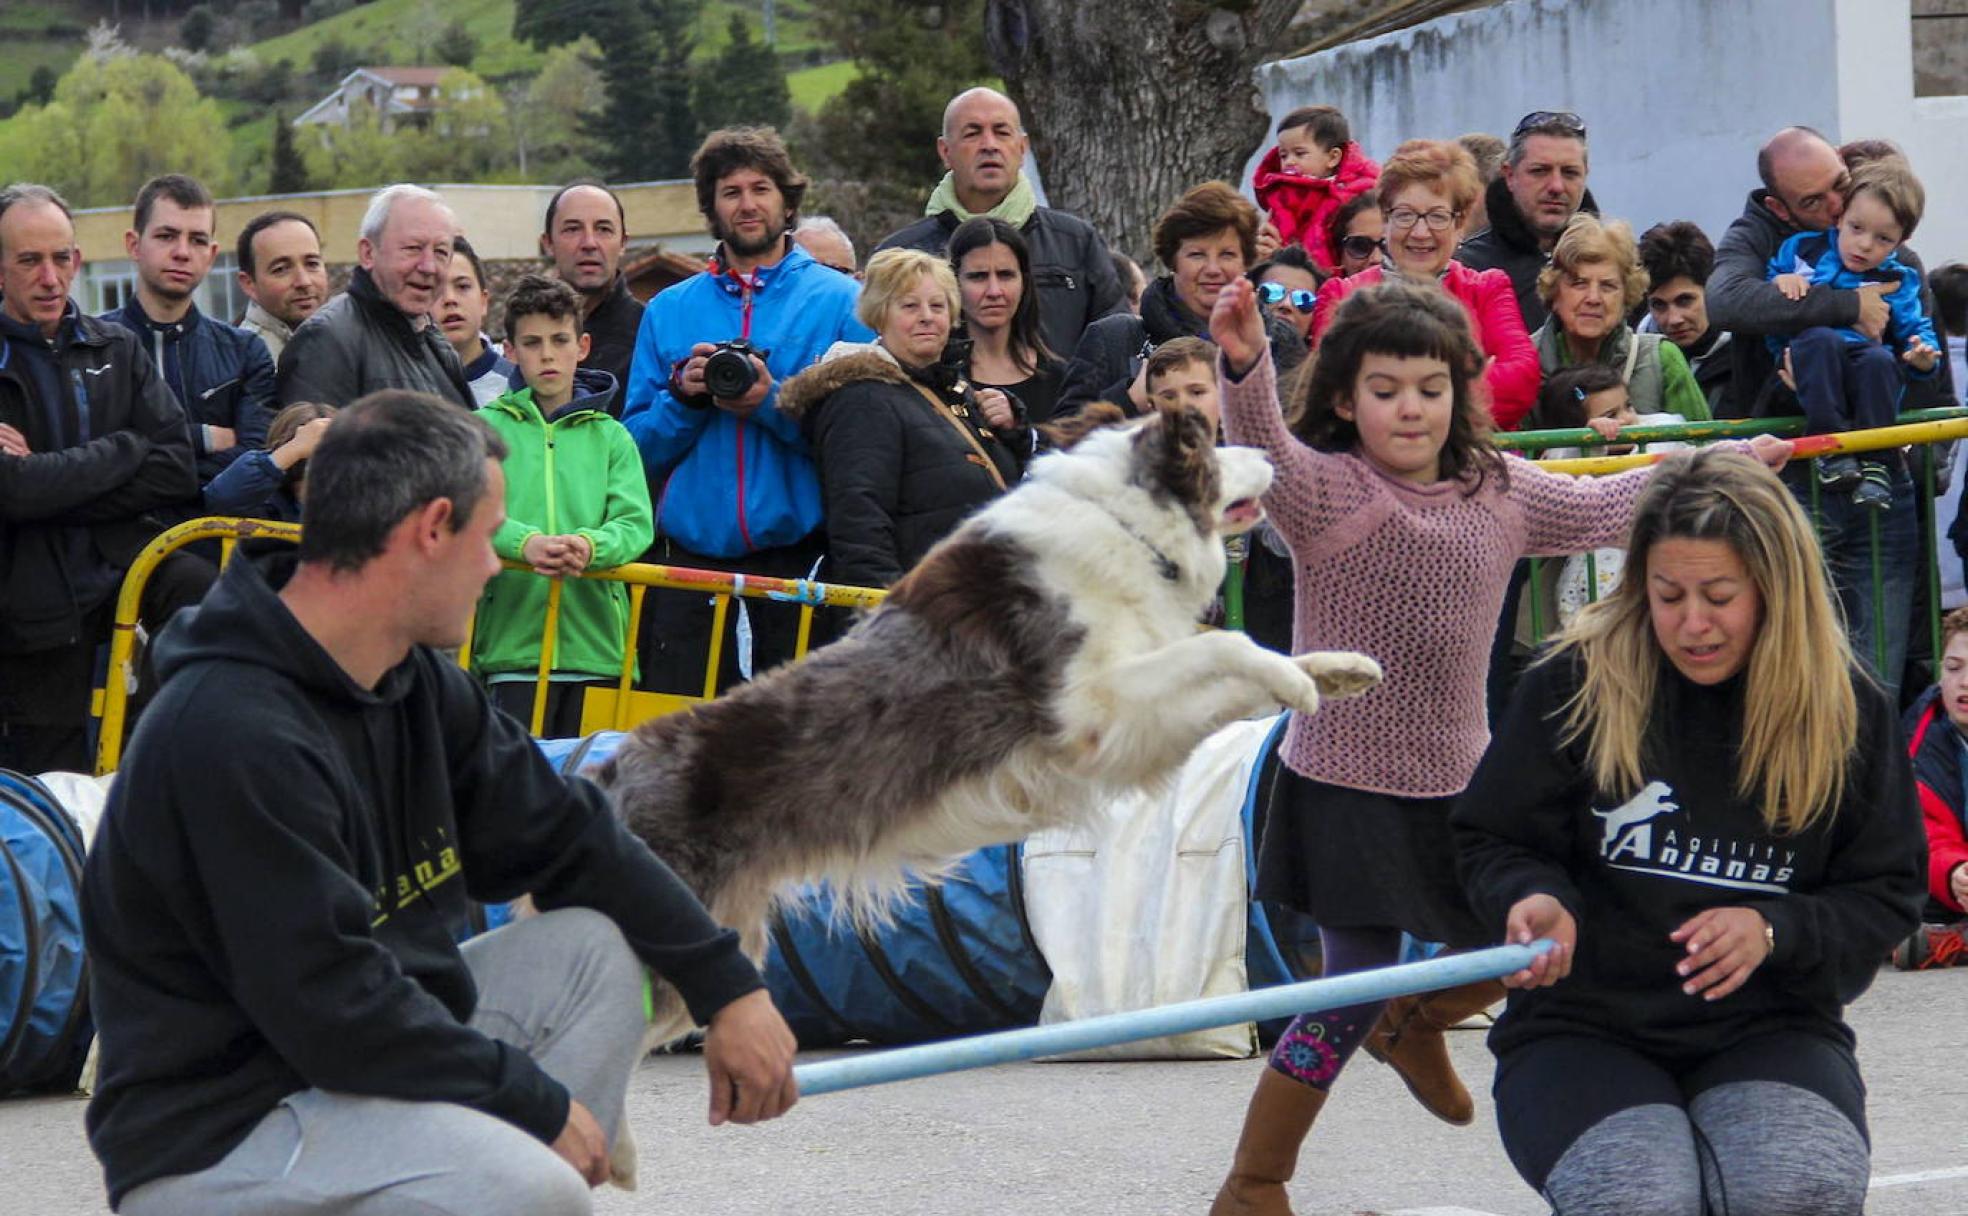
x=1335, y=992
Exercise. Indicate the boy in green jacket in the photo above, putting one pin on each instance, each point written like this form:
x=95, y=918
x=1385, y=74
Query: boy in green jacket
x=576, y=498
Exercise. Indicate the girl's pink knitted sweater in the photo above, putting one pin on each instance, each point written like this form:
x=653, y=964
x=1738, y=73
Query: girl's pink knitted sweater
x=1413, y=575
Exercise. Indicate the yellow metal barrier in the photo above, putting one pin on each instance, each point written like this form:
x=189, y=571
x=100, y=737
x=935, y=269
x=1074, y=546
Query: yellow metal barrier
x=618, y=708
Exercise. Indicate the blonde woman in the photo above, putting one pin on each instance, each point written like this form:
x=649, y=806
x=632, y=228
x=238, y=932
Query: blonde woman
x=1592, y=285
x=1701, y=799
x=905, y=447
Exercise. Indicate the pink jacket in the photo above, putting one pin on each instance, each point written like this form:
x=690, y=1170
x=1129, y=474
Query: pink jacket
x=1300, y=206
x=1491, y=302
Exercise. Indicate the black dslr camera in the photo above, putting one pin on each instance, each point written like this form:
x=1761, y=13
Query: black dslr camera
x=728, y=370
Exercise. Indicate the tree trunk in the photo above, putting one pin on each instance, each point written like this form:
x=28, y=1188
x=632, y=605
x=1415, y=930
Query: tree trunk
x=1131, y=102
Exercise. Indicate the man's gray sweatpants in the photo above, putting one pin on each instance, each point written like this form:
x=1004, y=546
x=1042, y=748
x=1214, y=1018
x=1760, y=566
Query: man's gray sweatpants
x=562, y=987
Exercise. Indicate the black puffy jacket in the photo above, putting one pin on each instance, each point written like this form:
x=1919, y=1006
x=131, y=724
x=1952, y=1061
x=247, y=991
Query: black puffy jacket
x=225, y=378
x=1509, y=245
x=359, y=342
x=896, y=475
x=1110, y=355
x=75, y=512
x=1071, y=268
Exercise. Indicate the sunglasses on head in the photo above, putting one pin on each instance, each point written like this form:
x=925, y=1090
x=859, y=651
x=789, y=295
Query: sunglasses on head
x=1563, y=120
x=1276, y=293
x=1359, y=246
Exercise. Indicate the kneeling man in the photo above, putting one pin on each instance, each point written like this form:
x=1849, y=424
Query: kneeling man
x=273, y=899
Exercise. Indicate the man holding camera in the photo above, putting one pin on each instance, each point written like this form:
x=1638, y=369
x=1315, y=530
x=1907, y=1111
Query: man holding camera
x=735, y=486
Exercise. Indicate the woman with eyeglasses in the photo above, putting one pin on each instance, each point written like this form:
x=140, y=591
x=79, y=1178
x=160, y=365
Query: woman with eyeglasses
x=1356, y=230
x=1288, y=284
x=1206, y=239
x=1426, y=190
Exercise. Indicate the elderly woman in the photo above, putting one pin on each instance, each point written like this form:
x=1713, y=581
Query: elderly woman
x=1705, y=805
x=1594, y=282
x=1206, y=240
x=1001, y=315
x=1426, y=190
x=905, y=447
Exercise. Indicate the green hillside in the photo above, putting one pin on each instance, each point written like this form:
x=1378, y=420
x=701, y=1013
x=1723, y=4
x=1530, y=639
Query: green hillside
x=33, y=34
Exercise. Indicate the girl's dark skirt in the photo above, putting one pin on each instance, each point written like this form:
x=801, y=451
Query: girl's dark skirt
x=1352, y=859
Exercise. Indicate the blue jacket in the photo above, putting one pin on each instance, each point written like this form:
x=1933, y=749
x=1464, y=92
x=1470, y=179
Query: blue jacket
x=1814, y=255
x=221, y=375
x=727, y=486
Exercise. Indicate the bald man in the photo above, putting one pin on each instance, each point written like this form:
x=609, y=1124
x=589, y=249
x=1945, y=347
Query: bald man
x=983, y=149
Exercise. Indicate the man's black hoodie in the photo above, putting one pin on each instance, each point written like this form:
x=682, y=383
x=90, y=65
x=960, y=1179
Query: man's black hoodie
x=271, y=900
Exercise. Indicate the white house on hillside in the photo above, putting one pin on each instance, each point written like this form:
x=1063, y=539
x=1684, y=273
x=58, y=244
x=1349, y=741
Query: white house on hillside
x=397, y=94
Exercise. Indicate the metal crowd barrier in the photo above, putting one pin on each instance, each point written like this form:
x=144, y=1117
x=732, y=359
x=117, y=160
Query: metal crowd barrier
x=1922, y=430
x=618, y=708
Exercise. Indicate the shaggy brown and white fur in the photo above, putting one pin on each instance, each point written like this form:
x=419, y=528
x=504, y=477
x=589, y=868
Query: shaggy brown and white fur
x=1040, y=660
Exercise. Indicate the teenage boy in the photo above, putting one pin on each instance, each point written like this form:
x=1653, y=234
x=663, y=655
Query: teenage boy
x=575, y=498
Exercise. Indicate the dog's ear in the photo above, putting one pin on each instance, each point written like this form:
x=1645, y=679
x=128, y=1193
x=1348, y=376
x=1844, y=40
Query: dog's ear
x=1185, y=467
x=1063, y=433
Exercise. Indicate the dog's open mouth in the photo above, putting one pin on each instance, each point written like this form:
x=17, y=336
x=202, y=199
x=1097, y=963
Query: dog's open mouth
x=1241, y=515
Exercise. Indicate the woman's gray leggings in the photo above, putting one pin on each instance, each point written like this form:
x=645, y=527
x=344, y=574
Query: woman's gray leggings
x=1773, y=1126
x=562, y=987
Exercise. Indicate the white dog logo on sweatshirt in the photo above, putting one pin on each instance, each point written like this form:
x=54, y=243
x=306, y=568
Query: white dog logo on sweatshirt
x=1628, y=826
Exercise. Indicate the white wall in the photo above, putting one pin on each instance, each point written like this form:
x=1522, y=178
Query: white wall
x=1677, y=94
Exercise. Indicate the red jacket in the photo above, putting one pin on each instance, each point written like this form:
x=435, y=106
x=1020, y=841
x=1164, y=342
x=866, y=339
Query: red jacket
x=1300, y=206
x=1937, y=773
x=1491, y=302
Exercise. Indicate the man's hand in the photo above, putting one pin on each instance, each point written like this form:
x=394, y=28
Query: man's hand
x=748, y=1052
x=13, y=443
x=1238, y=327
x=1724, y=946
x=1873, y=310
x=1531, y=918
x=582, y=1145
x=691, y=381
x=1793, y=286
x=1958, y=883
x=1919, y=356
x=220, y=438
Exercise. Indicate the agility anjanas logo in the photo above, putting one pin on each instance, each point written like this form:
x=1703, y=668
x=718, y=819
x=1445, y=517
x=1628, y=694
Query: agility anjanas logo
x=1640, y=837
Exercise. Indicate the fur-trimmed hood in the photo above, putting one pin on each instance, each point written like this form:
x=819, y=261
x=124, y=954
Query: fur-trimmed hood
x=844, y=363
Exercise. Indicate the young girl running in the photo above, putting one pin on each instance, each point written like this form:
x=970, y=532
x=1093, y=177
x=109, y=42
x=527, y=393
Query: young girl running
x=1404, y=524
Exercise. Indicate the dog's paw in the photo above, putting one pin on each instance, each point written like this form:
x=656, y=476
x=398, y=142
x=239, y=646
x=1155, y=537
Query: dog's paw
x=1339, y=673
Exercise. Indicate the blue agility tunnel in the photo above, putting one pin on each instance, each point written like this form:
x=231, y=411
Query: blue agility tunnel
x=44, y=977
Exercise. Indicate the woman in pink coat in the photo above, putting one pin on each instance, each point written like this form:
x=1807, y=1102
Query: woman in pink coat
x=1426, y=190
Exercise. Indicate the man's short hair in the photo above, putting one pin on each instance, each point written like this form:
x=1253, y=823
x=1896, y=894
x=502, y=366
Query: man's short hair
x=243, y=253
x=34, y=192
x=387, y=455
x=729, y=149
x=1202, y=211
x=553, y=204
x=828, y=224
x=537, y=295
x=1892, y=182
x=385, y=201
x=186, y=192
x=1487, y=151
x=1325, y=124
x=1558, y=124
x=1674, y=250
x=1766, y=157
x=1950, y=284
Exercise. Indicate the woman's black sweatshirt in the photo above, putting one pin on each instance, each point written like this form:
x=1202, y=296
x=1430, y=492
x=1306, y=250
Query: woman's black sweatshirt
x=271, y=900
x=1634, y=866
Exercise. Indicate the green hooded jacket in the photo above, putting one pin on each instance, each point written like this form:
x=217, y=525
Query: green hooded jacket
x=580, y=474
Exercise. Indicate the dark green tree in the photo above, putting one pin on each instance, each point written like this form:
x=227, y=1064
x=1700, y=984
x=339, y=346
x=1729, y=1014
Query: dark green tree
x=40, y=88
x=456, y=45
x=289, y=173
x=647, y=129
x=196, y=28
x=744, y=84
x=550, y=23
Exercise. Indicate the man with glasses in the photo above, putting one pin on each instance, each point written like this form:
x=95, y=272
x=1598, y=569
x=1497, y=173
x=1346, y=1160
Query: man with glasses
x=1542, y=188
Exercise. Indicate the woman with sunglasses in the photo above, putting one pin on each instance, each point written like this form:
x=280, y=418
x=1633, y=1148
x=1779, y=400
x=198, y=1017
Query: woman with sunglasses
x=1426, y=190
x=1356, y=230
x=1288, y=284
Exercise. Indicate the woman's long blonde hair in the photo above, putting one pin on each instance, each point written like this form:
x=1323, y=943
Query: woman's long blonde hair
x=1800, y=714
